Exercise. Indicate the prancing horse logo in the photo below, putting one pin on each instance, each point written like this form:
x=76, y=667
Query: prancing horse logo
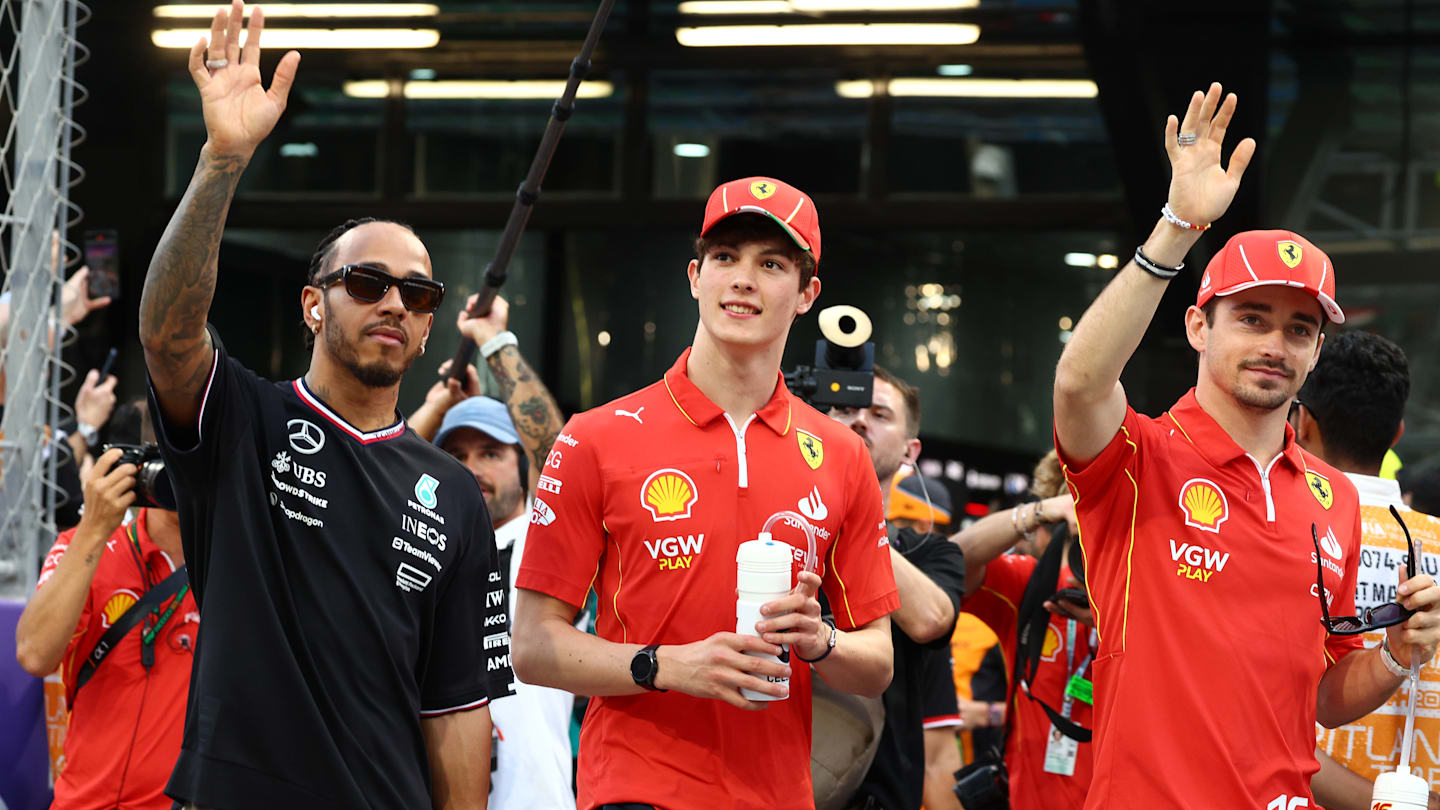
x=305, y=436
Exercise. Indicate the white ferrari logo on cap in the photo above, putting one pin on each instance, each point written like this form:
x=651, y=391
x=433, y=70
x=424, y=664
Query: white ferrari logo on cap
x=762, y=189
x=1290, y=253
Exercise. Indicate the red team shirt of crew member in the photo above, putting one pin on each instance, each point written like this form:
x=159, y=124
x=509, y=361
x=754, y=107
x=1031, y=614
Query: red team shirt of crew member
x=997, y=603
x=646, y=499
x=124, y=760
x=1201, y=570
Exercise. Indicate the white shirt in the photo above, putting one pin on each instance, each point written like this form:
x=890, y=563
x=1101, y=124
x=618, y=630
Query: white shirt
x=533, y=767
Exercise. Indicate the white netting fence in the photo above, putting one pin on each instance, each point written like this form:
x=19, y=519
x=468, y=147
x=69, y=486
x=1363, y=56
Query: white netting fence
x=38, y=56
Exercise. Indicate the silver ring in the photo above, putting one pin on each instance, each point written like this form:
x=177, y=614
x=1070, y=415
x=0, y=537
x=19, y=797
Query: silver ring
x=1187, y=139
x=216, y=64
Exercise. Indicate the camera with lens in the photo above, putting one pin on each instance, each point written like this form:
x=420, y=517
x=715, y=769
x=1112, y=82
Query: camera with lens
x=984, y=784
x=152, y=483
x=844, y=372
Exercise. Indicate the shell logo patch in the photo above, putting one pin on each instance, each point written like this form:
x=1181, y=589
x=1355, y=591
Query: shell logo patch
x=1320, y=488
x=762, y=189
x=1290, y=253
x=668, y=495
x=116, y=605
x=1050, y=650
x=811, y=448
x=1203, y=505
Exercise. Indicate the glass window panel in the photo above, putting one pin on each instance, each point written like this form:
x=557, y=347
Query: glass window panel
x=477, y=146
x=325, y=141
x=1000, y=147
x=789, y=124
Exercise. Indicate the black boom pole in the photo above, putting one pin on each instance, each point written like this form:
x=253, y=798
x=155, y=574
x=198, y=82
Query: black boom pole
x=529, y=193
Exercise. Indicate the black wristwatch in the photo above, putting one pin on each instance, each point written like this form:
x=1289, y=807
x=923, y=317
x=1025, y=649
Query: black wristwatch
x=644, y=666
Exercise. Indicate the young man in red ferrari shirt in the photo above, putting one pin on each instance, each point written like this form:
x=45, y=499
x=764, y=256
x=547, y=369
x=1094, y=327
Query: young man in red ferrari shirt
x=647, y=498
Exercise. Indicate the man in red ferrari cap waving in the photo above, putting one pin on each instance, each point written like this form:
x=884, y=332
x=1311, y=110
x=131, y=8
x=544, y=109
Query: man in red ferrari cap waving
x=647, y=500
x=1208, y=531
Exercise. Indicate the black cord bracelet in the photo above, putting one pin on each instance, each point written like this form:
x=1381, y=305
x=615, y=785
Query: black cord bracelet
x=1159, y=271
x=828, y=647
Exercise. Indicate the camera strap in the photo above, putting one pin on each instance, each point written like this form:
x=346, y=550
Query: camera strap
x=1034, y=625
x=128, y=621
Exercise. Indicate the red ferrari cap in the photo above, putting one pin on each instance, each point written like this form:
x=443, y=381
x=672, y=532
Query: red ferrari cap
x=791, y=208
x=1259, y=258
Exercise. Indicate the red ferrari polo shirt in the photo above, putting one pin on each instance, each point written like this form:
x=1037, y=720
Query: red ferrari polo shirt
x=1201, y=571
x=646, y=499
x=123, y=738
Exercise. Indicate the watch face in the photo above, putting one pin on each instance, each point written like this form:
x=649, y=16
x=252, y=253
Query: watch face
x=642, y=667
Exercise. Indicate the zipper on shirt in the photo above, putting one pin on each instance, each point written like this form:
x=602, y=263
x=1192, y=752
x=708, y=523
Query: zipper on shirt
x=740, y=448
x=1265, y=484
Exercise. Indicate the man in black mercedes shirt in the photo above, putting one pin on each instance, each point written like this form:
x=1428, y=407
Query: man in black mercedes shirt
x=341, y=563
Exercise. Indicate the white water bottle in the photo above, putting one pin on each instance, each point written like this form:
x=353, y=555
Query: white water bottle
x=1397, y=790
x=762, y=574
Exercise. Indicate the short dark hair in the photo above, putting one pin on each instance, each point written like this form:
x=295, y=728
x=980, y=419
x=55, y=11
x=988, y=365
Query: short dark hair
x=742, y=228
x=320, y=259
x=909, y=394
x=1425, y=492
x=1356, y=394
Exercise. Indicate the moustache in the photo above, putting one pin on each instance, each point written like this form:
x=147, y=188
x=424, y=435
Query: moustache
x=389, y=323
x=1276, y=365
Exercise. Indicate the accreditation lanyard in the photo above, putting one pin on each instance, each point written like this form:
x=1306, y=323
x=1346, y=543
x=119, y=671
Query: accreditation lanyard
x=155, y=622
x=1072, y=671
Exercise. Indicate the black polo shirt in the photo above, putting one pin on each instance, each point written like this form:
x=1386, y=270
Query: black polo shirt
x=896, y=779
x=349, y=587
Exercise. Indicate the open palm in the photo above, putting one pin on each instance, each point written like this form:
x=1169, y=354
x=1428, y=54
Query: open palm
x=1200, y=188
x=239, y=112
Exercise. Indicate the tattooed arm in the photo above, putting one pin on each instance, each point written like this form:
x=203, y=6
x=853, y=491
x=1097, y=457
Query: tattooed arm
x=534, y=411
x=239, y=113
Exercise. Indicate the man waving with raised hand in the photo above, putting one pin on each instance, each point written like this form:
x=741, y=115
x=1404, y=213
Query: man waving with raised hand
x=1196, y=525
x=345, y=567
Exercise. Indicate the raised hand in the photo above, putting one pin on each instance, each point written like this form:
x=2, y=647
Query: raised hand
x=481, y=329
x=239, y=111
x=1200, y=189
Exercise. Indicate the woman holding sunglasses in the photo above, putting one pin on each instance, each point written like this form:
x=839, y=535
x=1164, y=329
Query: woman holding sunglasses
x=339, y=559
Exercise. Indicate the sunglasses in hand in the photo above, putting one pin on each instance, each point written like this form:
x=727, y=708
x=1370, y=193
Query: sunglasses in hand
x=369, y=284
x=1386, y=615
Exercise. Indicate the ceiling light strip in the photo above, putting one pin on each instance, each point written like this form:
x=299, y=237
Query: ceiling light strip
x=728, y=36
x=350, y=38
x=306, y=10
x=479, y=89
x=973, y=88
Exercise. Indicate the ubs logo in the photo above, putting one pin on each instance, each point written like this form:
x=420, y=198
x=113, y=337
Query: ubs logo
x=305, y=436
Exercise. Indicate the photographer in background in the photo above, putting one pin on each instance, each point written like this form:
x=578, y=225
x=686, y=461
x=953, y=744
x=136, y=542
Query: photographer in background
x=121, y=588
x=930, y=578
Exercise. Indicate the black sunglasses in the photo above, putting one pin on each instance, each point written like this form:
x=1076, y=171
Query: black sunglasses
x=369, y=284
x=1390, y=613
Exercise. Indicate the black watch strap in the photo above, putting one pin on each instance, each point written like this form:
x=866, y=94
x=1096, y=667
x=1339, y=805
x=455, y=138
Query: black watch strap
x=644, y=666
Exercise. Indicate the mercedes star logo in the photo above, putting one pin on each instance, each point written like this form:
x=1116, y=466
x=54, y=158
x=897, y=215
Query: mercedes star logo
x=305, y=436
